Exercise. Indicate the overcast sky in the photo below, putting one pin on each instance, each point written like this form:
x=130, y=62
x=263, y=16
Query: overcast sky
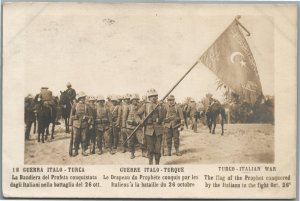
x=129, y=49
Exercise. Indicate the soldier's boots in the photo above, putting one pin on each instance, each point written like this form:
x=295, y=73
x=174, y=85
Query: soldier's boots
x=169, y=152
x=144, y=153
x=132, y=155
x=124, y=150
x=157, y=159
x=112, y=151
x=76, y=152
x=100, y=152
x=150, y=156
x=84, y=153
x=177, y=152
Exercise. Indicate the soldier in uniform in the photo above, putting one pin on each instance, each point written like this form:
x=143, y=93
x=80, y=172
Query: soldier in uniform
x=81, y=118
x=47, y=99
x=71, y=93
x=115, y=111
x=153, y=125
x=91, y=135
x=102, y=121
x=29, y=115
x=132, y=120
x=193, y=113
x=124, y=109
x=173, y=122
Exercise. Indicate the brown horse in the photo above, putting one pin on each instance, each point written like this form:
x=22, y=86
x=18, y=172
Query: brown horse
x=65, y=105
x=44, y=118
x=212, y=115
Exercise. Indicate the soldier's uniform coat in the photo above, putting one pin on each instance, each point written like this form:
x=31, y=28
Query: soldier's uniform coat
x=102, y=121
x=153, y=126
x=174, y=116
x=132, y=120
x=81, y=124
x=115, y=111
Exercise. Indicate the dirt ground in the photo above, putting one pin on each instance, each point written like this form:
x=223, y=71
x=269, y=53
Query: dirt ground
x=241, y=143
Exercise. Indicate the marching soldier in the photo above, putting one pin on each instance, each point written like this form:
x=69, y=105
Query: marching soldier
x=115, y=111
x=29, y=114
x=91, y=135
x=124, y=109
x=71, y=93
x=81, y=119
x=102, y=121
x=153, y=126
x=173, y=122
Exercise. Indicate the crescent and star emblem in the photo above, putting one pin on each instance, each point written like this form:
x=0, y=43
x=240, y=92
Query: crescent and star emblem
x=235, y=54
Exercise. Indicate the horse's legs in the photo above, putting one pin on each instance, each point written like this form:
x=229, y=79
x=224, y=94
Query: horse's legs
x=34, y=128
x=53, y=126
x=223, y=115
x=43, y=133
x=66, y=125
x=214, y=121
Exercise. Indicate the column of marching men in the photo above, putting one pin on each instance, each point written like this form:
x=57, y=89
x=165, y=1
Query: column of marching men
x=100, y=125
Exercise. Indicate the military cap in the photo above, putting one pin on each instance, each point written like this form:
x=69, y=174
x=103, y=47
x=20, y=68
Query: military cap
x=81, y=95
x=144, y=98
x=171, y=97
x=119, y=97
x=91, y=98
x=152, y=92
x=69, y=84
x=100, y=98
x=29, y=96
x=135, y=97
x=114, y=98
x=127, y=96
x=44, y=88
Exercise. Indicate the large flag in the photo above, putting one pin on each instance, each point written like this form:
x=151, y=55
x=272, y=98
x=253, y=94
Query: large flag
x=230, y=58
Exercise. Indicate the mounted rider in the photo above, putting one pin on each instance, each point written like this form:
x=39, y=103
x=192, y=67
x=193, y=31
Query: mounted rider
x=71, y=93
x=47, y=99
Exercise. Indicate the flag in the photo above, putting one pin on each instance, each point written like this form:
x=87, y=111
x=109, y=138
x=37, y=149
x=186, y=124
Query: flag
x=230, y=58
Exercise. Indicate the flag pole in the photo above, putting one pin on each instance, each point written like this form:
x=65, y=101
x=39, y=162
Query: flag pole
x=240, y=24
x=167, y=94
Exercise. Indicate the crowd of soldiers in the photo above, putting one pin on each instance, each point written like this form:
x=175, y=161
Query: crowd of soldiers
x=92, y=116
x=99, y=124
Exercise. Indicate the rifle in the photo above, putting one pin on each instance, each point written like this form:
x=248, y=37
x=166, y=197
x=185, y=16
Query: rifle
x=71, y=143
x=150, y=113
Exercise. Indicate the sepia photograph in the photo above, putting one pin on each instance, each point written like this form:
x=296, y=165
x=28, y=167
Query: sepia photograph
x=181, y=94
x=94, y=85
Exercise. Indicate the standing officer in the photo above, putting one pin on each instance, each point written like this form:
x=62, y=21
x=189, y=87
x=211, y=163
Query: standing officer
x=124, y=109
x=102, y=122
x=29, y=114
x=115, y=111
x=91, y=135
x=81, y=118
x=173, y=122
x=153, y=125
x=71, y=93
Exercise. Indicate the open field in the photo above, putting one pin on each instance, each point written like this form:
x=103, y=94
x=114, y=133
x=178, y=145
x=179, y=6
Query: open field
x=241, y=143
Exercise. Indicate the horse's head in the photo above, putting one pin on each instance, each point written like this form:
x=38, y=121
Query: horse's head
x=64, y=98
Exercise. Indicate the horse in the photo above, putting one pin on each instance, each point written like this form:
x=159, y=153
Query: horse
x=212, y=115
x=66, y=107
x=44, y=118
